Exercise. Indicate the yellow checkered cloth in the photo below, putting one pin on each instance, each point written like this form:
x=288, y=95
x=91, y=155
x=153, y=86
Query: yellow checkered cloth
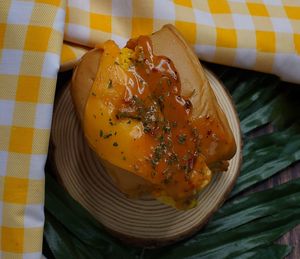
x=31, y=35
x=262, y=35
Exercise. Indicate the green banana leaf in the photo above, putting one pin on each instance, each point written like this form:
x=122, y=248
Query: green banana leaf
x=234, y=242
x=246, y=226
x=63, y=212
x=272, y=251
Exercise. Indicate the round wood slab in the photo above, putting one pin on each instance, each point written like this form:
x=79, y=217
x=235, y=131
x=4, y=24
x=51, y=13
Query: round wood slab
x=143, y=222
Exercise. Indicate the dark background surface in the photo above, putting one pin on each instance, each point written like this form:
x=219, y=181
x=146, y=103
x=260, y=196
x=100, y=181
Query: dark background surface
x=293, y=237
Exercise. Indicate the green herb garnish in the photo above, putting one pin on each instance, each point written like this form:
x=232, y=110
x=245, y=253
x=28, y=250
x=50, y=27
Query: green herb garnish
x=172, y=159
x=107, y=136
x=186, y=157
x=109, y=84
x=160, y=138
x=167, y=129
x=181, y=139
x=169, y=82
x=121, y=115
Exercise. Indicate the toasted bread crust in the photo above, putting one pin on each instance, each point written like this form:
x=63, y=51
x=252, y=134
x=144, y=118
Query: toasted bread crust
x=83, y=79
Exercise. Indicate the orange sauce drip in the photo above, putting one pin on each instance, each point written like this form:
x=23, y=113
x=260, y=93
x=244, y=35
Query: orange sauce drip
x=170, y=149
x=154, y=98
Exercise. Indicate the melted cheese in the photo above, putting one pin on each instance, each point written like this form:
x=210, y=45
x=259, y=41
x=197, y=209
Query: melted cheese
x=128, y=143
x=113, y=140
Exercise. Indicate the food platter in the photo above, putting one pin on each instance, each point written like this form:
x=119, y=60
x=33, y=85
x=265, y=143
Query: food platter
x=142, y=222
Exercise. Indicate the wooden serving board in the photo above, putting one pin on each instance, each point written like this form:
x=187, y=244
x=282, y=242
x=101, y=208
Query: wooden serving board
x=143, y=222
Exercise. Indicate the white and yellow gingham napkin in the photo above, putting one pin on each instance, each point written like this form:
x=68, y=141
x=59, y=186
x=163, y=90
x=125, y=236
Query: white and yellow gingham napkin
x=31, y=34
x=263, y=35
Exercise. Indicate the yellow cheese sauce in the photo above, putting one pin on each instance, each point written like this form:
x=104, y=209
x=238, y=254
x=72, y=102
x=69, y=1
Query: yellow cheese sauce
x=137, y=119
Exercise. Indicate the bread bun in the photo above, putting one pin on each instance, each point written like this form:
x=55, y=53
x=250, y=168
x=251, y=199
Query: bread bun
x=194, y=84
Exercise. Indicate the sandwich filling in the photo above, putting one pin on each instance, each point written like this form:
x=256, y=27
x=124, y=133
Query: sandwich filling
x=137, y=119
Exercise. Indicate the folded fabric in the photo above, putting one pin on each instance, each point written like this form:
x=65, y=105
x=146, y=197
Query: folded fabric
x=262, y=35
x=31, y=35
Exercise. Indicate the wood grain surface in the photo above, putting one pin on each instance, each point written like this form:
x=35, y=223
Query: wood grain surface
x=148, y=222
x=291, y=238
